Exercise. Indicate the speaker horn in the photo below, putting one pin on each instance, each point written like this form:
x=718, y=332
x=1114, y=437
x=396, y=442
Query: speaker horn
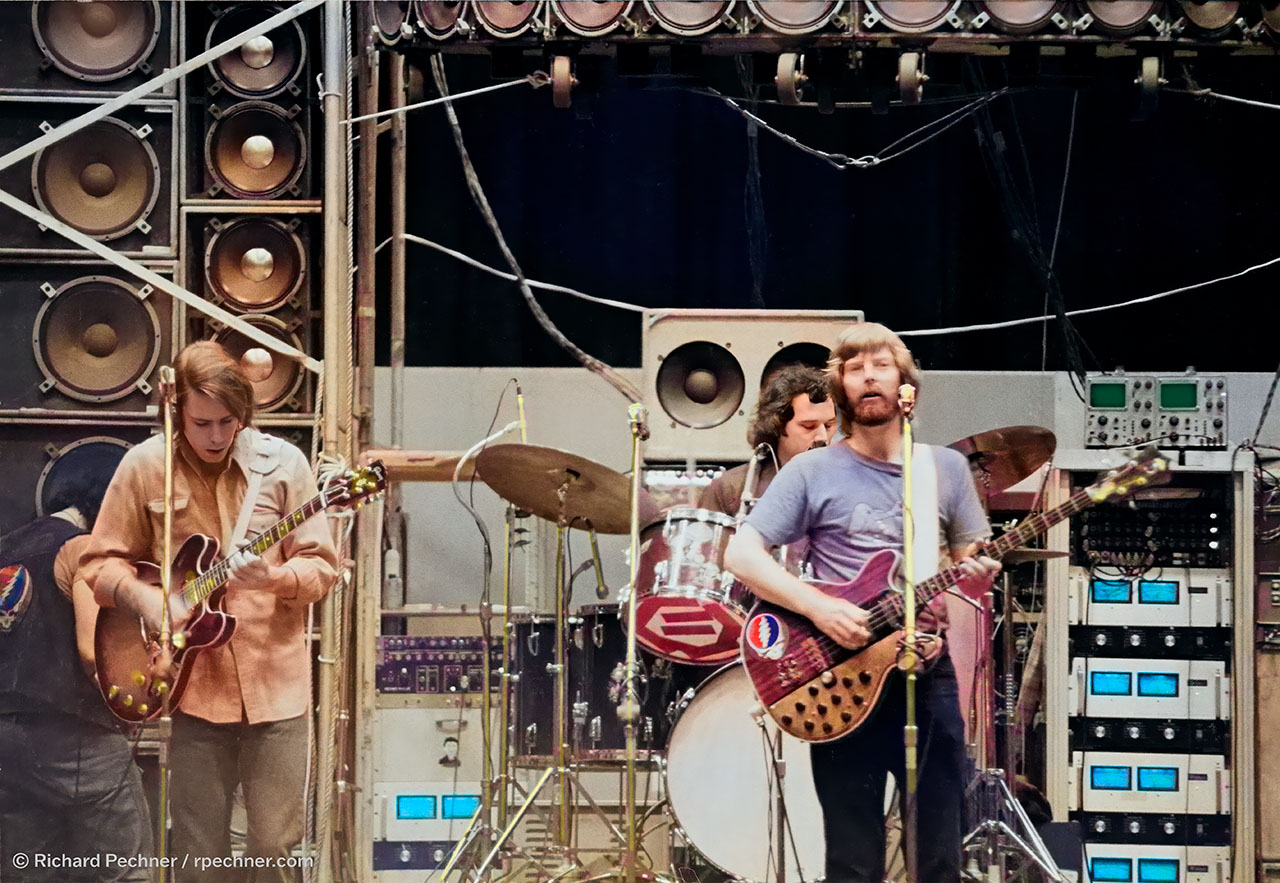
x=98, y=41
x=255, y=150
x=591, y=18
x=700, y=384
x=280, y=388
x=910, y=16
x=504, y=19
x=686, y=18
x=794, y=18
x=102, y=180
x=264, y=66
x=96, y=456
x=96, y=339
x=439, y=19
x=254, y=264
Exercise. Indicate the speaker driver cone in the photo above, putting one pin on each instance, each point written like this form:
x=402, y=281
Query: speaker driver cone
x=255, y=264
x=1022, y=16
x=439, y=18
x=591, y=18
x=1120, y=18
x=281, y=386
x=102, y=180
x=255, y=150
x=264, y=66
x=794, y=17
x=96, y=455
x=96, y=340
x=505, y=19
x=687, y=18
x=97, y=41
x=388, y=16
x=913, y=16
x=700, y=384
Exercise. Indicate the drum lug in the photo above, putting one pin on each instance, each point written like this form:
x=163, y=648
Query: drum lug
x=534, y=642
x=596, y=731
x=597, y=634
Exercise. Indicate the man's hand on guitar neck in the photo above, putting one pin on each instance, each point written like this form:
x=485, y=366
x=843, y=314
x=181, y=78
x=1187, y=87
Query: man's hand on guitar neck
x=978, y=571
x=249, y=571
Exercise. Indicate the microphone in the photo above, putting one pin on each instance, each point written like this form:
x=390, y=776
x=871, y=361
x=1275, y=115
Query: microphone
x=907, y=399
x=524, y=436
x=749, y=483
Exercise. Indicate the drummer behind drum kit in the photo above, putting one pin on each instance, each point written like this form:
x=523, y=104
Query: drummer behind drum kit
x=696, y=714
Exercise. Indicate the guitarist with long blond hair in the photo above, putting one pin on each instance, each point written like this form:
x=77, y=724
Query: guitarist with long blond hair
x=846, y=500
x=242, y=716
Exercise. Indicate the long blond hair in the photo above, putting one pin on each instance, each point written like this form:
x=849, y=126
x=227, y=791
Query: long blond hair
x=866, y=338
x=207, y=368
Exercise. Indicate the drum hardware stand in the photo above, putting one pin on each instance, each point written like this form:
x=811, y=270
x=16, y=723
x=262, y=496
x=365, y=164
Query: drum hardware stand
x=908, y=660
x=994, y=839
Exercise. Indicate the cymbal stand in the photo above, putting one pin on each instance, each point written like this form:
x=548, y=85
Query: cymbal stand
x=1001, y=826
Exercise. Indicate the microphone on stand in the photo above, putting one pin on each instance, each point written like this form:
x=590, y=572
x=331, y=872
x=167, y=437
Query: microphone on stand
x=750, y=482
x=907, y=400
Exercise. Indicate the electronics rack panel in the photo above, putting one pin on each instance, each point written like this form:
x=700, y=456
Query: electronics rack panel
x=1143, y=733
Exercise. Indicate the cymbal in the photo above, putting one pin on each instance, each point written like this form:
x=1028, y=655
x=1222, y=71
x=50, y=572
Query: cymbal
x=1000, y=458
x=531, y=477
x=1022, y=556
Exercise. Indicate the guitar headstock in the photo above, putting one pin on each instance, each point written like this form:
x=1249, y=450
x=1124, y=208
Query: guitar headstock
x=1148, y=469
x=357, y=485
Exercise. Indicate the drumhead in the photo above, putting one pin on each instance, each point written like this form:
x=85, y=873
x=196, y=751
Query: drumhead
x=692, y=513
x=719, y=782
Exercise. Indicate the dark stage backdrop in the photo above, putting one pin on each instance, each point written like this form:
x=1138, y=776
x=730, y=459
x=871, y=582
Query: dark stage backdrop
x=641, y=192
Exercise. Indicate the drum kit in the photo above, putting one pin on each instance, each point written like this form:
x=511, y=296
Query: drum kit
x=739, y=792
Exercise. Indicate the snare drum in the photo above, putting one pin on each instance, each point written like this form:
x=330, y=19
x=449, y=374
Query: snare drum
x=597, y=677
x=721, y=784
x=688, y=607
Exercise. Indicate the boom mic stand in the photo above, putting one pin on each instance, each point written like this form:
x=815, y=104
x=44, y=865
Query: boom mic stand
x=908, y=660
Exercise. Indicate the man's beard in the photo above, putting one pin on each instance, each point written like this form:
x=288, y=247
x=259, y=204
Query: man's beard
x=874, y=411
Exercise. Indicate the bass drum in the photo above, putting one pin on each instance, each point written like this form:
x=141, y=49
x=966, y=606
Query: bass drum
x=720, y=784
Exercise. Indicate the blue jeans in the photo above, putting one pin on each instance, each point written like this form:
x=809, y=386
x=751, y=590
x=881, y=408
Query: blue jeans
x=849, y=775
x=68, y=787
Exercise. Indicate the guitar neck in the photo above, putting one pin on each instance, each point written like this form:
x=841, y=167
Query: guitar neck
x=1028, y=530
x=200, y=587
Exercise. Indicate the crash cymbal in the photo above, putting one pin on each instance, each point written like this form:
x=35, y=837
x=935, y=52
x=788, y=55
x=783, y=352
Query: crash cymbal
x=531, y=477
x=1022, y=556
x=1000, y=458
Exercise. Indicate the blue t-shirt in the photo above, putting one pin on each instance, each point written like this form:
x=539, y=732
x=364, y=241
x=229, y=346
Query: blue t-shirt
x=850, y=507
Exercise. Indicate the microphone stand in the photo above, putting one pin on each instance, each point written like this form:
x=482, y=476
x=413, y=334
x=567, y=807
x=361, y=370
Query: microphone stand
x=629, y=711
x=908, y=660
x=164, y=648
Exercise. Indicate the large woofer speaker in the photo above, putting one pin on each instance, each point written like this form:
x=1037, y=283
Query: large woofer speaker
x=591, y=18
x=281, y=387
x=1122, y=18
x=255, y=150
x=389, y=20
x=96, y=339
x=794, y=17
x=32, y=453
x=703, y=370
x=264, y=66
x=95, y=457
x=255, y=264
x=438, y=18
x=96, y=41
x=1023, y=16
x=910, y=16
x=102, y=180
x=1212, y=19
x=505, y=19
x=688, y=19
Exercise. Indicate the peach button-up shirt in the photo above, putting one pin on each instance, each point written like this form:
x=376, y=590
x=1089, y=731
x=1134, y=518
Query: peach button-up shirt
x=263, y=673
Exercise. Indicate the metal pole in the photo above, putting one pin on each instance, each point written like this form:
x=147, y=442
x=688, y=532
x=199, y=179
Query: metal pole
x=367, y=71
x=337, y=358
x=398, y=165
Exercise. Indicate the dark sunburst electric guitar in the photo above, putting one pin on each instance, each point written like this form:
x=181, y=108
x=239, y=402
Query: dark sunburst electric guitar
x=126, y=656
x=817, y=690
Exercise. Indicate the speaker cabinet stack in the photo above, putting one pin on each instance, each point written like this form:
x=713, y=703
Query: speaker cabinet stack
x=703, y=370
x=83, y=340
x=251, y=212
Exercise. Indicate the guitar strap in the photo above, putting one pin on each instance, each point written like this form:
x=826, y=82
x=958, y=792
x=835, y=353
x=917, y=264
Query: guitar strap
x=266, y=456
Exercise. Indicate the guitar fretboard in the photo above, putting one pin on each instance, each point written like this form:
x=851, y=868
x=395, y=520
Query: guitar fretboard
x=204, y=585
x=890, y=607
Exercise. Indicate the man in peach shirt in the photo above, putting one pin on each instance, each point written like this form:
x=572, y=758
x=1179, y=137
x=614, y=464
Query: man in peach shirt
x=242, y=717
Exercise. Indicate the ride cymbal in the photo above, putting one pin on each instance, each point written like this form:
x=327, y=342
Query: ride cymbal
x=532, y=477
x=1000, y=458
